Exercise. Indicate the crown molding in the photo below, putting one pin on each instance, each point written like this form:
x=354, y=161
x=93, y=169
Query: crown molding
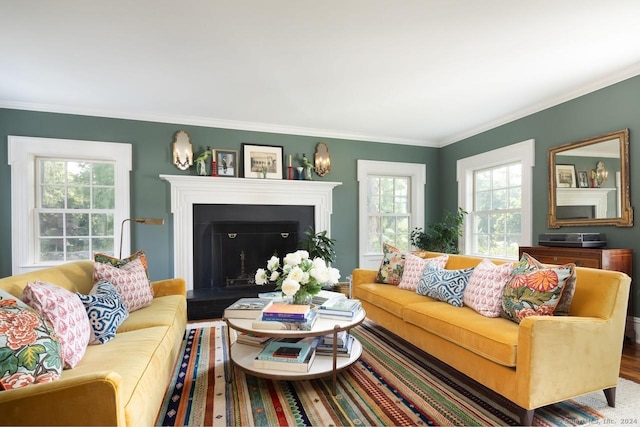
x=215, y=123
x=628, y=73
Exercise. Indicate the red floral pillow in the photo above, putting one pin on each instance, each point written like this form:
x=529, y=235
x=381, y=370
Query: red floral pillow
x=30, y=351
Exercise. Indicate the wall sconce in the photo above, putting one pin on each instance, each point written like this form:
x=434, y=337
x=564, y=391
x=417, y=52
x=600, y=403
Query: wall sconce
x=182, y=150
x=601, y=173
x=148, y=221
x=322, y=159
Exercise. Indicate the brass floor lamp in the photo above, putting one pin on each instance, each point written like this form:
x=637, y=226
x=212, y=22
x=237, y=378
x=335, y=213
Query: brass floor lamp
x=148, y=221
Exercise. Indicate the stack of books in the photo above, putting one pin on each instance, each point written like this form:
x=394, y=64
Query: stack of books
x=251, y=339
x=339, y=308
x=344, y=343
x=247, y=308
x=286, y=356
x=280, y=316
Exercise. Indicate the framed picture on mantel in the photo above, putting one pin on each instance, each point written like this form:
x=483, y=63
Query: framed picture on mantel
x=227, y=162
x=262, y=161
x=566, y=176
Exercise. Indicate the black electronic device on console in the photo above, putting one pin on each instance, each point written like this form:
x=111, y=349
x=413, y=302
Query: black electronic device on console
x=573, y=240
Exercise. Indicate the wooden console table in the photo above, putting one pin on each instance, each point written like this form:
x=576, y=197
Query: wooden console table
x=605, y=259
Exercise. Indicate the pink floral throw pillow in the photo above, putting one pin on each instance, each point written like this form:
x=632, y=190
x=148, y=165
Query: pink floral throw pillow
x=486, y=285
x=414, y=267
x=64, y=310
x=130, y=281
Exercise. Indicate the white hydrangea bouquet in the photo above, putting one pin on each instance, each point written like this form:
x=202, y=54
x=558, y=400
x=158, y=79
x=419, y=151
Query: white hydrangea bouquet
x=298, y=277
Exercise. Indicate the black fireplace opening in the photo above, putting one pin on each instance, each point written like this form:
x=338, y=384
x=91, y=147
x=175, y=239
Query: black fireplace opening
x=576, y=212
x=240, y=248
x=230, y=242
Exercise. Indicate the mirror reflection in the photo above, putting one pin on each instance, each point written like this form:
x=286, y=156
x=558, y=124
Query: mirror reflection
x=589, y=182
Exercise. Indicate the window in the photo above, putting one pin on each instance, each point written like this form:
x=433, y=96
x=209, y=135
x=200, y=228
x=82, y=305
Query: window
x=75, y=209
x=391, y=204
x=495, y=189
x=67, y=198
x=388, y=212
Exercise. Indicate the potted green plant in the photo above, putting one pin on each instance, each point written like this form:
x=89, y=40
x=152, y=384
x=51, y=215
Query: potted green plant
x=440, y=236
x=318, y=245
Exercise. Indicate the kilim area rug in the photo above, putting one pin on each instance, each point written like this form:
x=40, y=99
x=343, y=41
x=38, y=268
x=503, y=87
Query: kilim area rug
x=393, y=384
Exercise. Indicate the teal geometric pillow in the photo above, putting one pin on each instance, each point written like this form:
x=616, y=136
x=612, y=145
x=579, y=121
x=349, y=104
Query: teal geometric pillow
x=444, y=285
x=105, y=309
x=30, y=351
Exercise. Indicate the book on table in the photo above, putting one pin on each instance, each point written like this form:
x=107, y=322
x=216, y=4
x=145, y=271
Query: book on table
x=286, y=312
x=277, y=365
x=277, y=325
x=247, y=308
x=252, y=339
x=338, y=306
x=286, y=352
x=339, y=315
x=342, y=350
x=341, y=338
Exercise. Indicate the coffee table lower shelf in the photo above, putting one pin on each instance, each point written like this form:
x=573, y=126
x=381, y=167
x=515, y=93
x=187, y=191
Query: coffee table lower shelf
x=242, y=356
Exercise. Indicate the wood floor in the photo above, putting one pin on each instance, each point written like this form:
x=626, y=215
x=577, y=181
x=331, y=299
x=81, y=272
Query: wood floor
x=630, y=366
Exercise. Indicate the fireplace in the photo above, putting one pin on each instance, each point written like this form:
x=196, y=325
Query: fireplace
x=187, y=192
x=232, y=241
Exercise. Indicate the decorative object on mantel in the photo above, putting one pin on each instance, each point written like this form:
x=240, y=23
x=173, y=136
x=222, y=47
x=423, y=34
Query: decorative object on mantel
x=227, y=161
x=322, y=159
x=600, y=174
x=308, y=167
x=182, y=150
x=290, y=168
x=299, y=277
x=263, y=161
x=201, y=162
x=214, y=163
x=300, y=170
x=148, y=221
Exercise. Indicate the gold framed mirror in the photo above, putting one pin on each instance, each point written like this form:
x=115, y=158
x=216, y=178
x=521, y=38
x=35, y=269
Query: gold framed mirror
x=589, y=182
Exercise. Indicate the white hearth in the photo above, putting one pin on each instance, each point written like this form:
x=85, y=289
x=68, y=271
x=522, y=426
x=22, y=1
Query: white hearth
x=189, y=190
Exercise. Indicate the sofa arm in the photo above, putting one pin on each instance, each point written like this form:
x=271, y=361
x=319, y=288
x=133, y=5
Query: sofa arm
x=92, y=399
x=560, y=357
x=166, y=287
x=361, y=275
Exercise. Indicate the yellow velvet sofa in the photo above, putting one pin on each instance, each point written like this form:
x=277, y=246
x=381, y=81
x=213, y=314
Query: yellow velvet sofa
x=119, y=383
x=542, y=360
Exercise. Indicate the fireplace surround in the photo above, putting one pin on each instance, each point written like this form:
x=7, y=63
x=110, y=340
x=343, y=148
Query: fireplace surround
x=188, y=191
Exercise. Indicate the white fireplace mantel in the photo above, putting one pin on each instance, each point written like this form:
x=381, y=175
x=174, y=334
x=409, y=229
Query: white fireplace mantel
x=585, y=197
x=189, y=190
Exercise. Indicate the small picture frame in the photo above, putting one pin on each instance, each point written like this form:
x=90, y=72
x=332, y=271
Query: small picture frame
x=227, y=163
x=263, y=161
x=566, y=176
x=583, y=179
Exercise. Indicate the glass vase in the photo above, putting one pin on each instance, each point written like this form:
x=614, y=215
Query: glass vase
x=301, y=297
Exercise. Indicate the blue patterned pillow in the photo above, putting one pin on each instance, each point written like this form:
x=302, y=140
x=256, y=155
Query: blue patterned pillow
x=444, y=285
x=105, y=309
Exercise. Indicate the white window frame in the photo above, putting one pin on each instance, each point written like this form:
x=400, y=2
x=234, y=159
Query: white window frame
x=22, y=155
x=523, y=152
x=417, y=174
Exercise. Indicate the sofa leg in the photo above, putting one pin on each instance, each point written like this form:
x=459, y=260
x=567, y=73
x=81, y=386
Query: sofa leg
x=610, y=394
x=526, y=416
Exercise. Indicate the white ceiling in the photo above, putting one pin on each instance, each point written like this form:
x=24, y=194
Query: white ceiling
x=421, y=72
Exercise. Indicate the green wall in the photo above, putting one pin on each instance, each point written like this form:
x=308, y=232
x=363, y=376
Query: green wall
x=150, y=196
x=607, y=110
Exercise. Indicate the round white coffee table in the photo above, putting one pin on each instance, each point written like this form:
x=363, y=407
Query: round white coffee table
x=242, y=355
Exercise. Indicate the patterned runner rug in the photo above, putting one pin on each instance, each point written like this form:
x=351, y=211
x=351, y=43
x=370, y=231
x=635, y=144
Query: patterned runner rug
x=393, y=384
